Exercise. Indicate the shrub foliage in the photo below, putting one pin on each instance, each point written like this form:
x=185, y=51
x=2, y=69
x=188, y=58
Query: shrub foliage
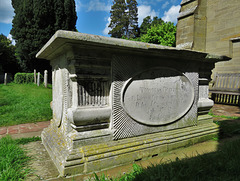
x=25, y=78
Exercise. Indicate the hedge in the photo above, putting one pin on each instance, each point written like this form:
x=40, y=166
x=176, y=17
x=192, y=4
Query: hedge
x=25, y=78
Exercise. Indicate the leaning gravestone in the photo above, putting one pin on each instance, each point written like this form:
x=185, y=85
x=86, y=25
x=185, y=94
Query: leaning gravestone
x=117, y=101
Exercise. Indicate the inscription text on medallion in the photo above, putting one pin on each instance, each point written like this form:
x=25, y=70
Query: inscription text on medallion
x=158, y=96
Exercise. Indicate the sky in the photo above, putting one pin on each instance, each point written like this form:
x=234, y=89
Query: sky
x=94, y=15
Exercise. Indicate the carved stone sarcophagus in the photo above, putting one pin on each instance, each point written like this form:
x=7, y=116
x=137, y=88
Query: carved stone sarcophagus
x=116, y=101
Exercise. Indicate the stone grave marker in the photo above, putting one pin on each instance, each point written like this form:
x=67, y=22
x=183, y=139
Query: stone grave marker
x=5, y=79
x=35, y=76
x=45, y=78
x=38, y=79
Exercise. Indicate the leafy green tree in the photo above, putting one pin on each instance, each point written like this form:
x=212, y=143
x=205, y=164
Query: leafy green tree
x=34, y=23
x=163, y=34
x=8, y=61
x=132, y=30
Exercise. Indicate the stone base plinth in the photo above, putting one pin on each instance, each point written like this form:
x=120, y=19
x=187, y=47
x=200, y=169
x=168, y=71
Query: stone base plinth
x=101, y=156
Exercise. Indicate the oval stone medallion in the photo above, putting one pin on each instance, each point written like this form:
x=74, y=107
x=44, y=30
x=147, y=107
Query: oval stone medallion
x=158, y=96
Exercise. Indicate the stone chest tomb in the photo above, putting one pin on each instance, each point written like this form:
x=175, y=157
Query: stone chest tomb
x=117, y=101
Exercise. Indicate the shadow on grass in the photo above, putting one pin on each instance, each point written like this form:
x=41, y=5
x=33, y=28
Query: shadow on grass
x=228, y=128
x=220, y=165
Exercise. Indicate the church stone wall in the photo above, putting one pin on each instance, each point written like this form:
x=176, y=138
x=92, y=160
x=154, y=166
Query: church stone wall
x=223, y=33
x=211, y=26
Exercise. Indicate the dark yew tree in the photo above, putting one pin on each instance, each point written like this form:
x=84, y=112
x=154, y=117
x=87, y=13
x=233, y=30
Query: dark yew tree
x=119, y=19
x=132, y=31
x=146, y=24
x=157, y=21
x=34, y=23
x=8, y=61
x=124, y=19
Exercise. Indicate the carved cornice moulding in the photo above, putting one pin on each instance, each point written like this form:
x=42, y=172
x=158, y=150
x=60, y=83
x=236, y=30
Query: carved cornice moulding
x=186, y=2
x=63, y=40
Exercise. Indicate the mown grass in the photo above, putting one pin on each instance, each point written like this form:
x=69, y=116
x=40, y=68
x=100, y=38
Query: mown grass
x=222, y=116
x=24, y=103
x=23, y=141
x=13, y=159
x=129, y=176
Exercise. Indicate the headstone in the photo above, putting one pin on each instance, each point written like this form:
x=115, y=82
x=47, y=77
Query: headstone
x=117, y=101
x=45, y=78
x=35, y=77
x=38, y=79
x=5, y=79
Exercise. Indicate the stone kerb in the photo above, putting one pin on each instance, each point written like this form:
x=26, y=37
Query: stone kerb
x=116, y=101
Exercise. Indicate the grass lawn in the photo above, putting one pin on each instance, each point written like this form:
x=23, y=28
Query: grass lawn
x=24, y=103
x=13, y=159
